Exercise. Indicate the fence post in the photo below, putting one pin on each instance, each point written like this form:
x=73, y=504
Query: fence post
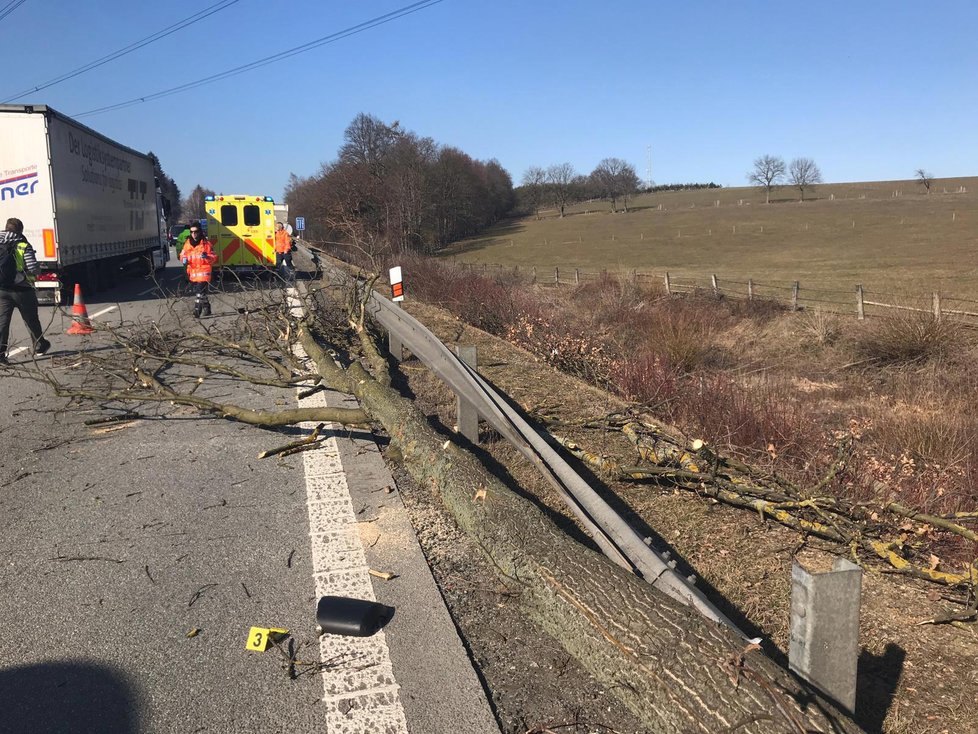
x=534, y=274
x=465, y=413
x=577, y=276
x=795, y=287
x=824, y=633
x=716, y=288
x=937, y=306
x=668, y=287
x=750, y=289
x=860, y=307
x=556, y=275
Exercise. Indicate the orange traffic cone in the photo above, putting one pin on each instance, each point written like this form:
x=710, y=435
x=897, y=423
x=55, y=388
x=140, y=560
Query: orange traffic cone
x=79, y=315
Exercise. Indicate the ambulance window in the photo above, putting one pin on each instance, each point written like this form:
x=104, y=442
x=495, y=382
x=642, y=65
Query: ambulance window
x=229, y=215
x=252, y=215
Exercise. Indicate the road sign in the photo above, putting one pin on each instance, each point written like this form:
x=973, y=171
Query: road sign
x=397, y=285
x=300, y=223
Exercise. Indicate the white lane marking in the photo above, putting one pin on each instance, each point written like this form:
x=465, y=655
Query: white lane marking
x=150, y=290
x=16, y=350
x=103, y=311
x=359, y=688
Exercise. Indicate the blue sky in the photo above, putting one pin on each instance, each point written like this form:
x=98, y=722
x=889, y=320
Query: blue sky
x=870, y=90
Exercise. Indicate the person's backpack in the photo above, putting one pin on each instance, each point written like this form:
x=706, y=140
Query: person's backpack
x=8, y=263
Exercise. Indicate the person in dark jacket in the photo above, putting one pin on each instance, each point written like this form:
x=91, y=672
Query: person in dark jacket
x=18, y=267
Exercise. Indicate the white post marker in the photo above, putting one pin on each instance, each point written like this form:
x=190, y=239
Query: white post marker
x=397, y=285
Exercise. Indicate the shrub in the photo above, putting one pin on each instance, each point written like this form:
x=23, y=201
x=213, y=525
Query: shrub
x=643, y=377
x=764, y=416
x=907, y=337
x=821, y=328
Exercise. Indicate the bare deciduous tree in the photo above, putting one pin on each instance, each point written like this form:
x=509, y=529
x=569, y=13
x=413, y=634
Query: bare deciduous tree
x=768, y=173
x=804, y=174
x=193, y=205
x=400, y=191
x=534, y=181
x=615, y=179
x=924, y=178
x=561, y=179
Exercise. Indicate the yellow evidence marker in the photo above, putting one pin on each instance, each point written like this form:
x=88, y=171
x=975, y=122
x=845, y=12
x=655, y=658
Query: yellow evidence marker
x=259, y=637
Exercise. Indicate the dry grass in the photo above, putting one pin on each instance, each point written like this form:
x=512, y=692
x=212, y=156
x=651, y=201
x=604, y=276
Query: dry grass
x=911, y=243
x=744, y=563
x=752, y=378
x=907, y=337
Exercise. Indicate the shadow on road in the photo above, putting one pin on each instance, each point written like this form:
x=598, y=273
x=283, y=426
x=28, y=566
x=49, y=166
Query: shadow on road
x=84, y=698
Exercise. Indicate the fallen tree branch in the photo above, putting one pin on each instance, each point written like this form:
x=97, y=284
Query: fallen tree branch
x=685, y=468
x=289, y=447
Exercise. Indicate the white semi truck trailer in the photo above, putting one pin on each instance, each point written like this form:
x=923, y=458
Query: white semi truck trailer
x=90, y=206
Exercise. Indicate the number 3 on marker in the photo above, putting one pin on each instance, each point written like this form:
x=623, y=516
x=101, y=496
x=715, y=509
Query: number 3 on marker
x=258, y=637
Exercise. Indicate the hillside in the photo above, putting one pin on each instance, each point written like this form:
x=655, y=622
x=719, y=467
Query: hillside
x=889, y=236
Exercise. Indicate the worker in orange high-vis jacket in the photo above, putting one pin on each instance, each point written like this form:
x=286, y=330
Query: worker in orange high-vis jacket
x=198, y=255
x=283, y=252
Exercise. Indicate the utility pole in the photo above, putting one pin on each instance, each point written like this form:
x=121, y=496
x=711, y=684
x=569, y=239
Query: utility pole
x=650, y=165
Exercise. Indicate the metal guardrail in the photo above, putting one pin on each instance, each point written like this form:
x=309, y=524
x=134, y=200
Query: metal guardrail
x=616, y=538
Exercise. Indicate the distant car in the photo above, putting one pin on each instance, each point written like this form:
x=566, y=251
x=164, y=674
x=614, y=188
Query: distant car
x=177, y=234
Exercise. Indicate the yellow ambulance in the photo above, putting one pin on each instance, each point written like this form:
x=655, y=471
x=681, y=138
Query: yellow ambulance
x=242, y=231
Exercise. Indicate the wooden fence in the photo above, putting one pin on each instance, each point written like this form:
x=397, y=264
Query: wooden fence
x=857, y=301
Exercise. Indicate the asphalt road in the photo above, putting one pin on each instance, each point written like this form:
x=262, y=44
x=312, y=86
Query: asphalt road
x=136, y=559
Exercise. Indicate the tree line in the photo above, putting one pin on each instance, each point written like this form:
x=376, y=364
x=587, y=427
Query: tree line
x=560, y=185
x=681, y=187
x=391, y=190
x=612, y=179
x=168, y=190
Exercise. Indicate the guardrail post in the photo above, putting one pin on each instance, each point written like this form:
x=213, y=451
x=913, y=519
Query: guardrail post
x=860, y=307
x=466, y=416
x=795, y=287
x=824, y=637
x=395, y=346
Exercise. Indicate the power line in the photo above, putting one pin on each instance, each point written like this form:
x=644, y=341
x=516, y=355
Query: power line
x=10, y=7
x=169, y=30
x=331, y=38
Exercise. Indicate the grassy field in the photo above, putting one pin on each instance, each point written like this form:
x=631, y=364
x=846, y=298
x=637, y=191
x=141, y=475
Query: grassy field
x=891, y=237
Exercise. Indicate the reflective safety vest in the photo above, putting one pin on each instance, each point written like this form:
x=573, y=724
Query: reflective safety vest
x=26, y=263
x=198, y=259
x=283, y=242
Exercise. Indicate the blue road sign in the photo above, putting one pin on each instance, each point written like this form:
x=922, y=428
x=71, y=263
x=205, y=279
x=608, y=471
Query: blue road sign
x=300, y=223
